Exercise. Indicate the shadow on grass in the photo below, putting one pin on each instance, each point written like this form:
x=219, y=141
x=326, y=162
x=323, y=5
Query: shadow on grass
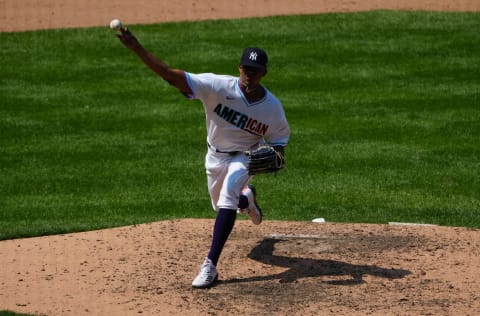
x=303, y=268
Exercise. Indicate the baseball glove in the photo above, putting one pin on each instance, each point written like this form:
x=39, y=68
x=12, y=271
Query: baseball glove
x=264, y=159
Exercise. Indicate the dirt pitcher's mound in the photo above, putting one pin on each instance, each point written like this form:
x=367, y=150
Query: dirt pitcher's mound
x=277, y=268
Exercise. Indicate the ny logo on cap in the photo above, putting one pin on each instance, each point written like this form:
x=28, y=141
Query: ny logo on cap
x=253, y=56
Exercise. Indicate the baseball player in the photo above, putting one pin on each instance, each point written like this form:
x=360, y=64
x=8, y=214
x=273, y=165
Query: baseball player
x=241, y=115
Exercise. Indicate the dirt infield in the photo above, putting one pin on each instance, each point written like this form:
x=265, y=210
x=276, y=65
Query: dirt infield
x=23, y=15
x=277, y=268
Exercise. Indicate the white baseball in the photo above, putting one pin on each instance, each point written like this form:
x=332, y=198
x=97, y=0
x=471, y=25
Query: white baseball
x=115, y=24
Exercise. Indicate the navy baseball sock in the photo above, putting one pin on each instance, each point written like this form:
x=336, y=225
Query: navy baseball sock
x=221, y=230
x=242, y=202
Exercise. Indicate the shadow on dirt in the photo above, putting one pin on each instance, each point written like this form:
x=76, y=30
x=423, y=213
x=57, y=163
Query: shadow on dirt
x=303, y=268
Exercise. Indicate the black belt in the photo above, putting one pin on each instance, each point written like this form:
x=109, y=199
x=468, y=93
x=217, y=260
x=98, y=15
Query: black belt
x=221, y=151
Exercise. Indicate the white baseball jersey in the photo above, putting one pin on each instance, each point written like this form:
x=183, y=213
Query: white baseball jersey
x=234, y=124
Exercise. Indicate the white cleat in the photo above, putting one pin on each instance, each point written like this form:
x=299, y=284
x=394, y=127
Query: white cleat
x=253, y=210
x=207, y=276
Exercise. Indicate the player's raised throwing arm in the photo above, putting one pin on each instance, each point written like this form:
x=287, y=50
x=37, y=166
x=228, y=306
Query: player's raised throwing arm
x=175, y=77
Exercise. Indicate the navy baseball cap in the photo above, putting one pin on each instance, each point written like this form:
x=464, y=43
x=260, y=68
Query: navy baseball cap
x=254, y=57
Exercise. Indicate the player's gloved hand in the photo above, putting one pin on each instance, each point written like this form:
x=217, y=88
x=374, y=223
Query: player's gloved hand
x=265, y=159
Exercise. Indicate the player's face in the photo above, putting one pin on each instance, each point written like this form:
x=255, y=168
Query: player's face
x=251, y=76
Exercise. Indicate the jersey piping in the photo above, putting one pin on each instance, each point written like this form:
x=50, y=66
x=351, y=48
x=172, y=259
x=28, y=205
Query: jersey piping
x=244, y=99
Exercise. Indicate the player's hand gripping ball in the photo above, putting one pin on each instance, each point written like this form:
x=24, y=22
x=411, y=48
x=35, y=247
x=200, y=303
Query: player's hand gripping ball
x=116, y=25
x=264, y=159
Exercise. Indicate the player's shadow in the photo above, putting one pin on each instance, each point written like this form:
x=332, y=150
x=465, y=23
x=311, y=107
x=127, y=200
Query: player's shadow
x=303, y=268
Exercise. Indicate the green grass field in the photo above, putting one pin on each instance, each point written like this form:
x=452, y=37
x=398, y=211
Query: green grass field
x=9, y=313
x=384, y=109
